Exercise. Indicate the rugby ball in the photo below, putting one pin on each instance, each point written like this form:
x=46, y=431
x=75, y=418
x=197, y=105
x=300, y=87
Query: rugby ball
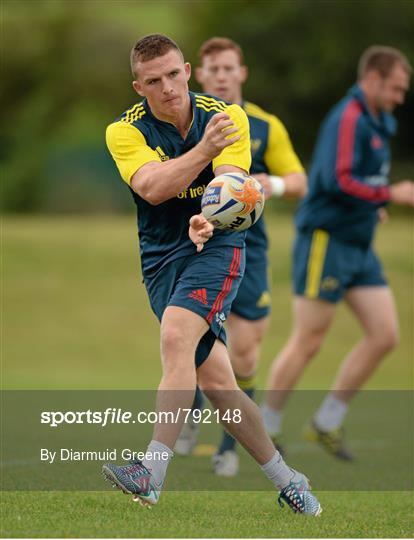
x=233, y=201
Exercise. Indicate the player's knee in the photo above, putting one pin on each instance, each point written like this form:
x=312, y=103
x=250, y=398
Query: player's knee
x=244, y=361
x=221, y=396
x=385, y=339
x=217, y=384
x=174, y=340
x=306, y=347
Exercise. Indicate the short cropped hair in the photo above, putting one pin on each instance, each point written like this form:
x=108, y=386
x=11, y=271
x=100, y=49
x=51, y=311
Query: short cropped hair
x=382, y=60
x=150, y=47
x=220, y=44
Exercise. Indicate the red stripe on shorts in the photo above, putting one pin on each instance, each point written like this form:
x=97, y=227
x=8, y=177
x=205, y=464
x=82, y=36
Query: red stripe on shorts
x=227, y=284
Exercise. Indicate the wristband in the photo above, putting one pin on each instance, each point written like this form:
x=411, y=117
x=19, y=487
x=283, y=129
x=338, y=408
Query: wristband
x=278, y=186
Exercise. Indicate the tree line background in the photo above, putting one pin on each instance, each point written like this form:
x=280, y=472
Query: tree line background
x=66, y=76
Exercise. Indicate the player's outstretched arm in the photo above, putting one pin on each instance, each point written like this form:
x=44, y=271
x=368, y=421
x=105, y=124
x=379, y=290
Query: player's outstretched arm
x=289, y=186
x=157, y=182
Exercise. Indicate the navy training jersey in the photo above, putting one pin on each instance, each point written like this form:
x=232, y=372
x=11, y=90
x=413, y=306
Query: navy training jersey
x=272, y=153
x=137, y=137
x=348, y=179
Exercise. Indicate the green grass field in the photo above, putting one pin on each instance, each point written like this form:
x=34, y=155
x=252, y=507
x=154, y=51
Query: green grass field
x=203, y=515
x=75, y=316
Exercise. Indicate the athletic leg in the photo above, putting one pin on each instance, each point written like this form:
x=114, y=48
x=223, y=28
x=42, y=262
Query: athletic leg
x=375, y=309
x=217, y=380
x=311, y=321
x=372, y=302
x=181, y=331
x=244, y=337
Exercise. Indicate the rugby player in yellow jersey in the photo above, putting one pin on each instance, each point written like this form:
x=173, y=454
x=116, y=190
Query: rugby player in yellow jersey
x=167, y=148
x=275, y=164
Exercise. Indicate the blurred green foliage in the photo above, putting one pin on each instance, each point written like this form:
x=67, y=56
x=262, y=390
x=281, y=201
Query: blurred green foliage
x=66, y=76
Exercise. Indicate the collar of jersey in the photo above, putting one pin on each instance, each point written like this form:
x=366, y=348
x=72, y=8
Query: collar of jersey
x=385, y=122
x=169, y=124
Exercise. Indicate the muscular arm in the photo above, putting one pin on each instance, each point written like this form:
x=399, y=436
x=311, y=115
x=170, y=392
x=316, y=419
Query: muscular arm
x=225, y=143
x=294, y=185
x=157, y=182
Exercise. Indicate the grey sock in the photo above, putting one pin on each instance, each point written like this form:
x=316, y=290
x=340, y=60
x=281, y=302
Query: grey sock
x=331, y=413
x=278, y=472
x=272, y=420
x=157, y=459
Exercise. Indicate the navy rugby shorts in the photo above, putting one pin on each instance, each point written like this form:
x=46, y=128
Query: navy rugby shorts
x=253, y=298
x=326, y=268
x=205, y=283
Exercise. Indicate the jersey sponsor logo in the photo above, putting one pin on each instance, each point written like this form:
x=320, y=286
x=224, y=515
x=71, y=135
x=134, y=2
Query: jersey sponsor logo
x=255, y=144
x=264, y=300
x=200, y=295
x=192, y=192
x=161, y=153
x=212, y=195
x=329, y=283
x=376, y=142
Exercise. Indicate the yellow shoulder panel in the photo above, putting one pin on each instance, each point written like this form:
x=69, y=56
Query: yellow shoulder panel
x=237, y=154
x=280, y=157
x=256, y=111
x=128, y=148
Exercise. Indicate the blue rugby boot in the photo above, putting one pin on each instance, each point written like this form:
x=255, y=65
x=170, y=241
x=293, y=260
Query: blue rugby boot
x=298, y=496
x=134, y=479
